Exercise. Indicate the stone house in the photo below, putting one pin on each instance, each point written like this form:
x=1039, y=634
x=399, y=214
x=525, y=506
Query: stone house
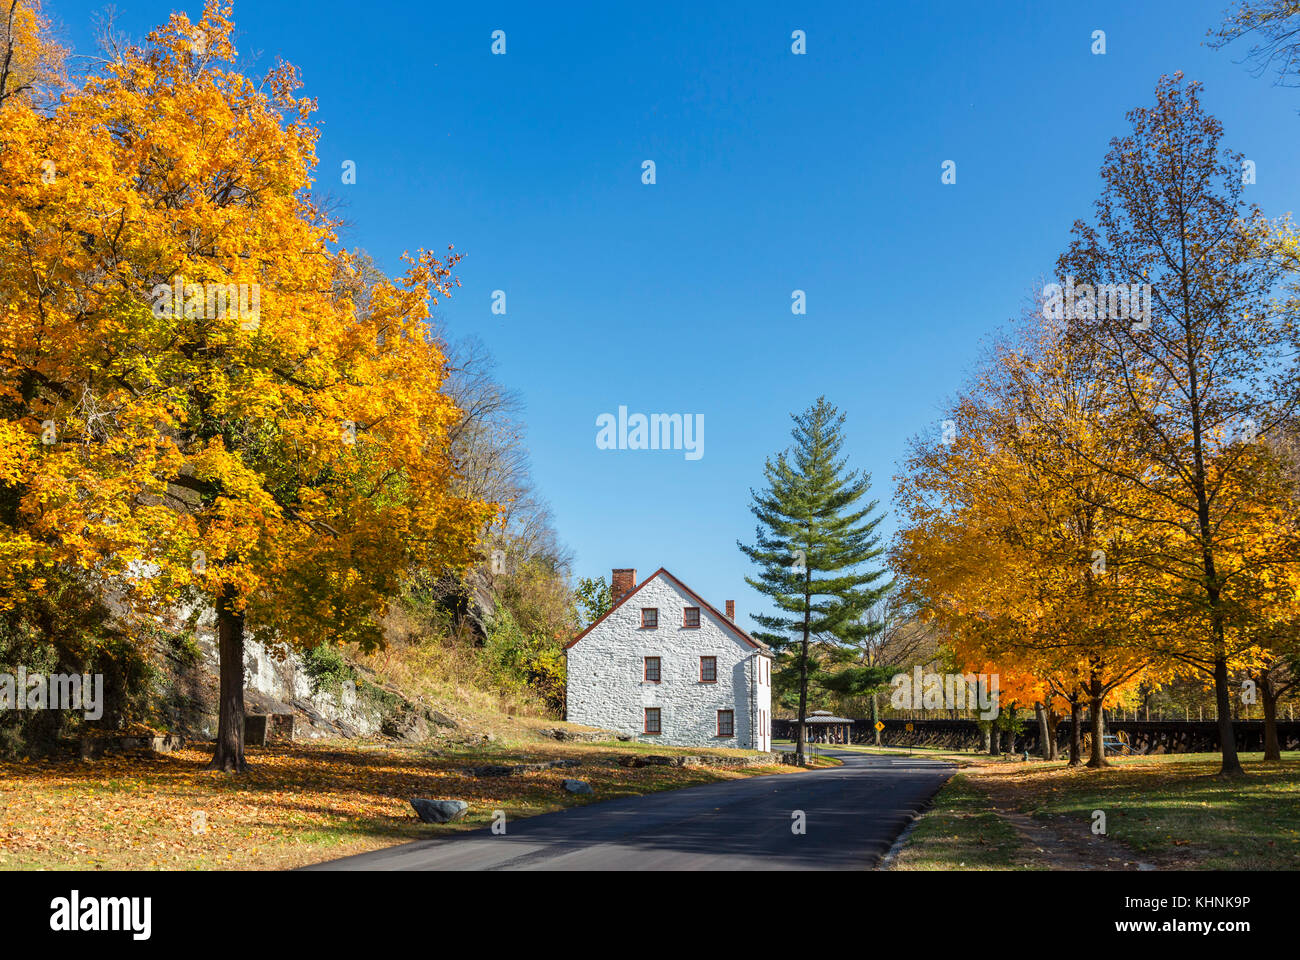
x=666, y=667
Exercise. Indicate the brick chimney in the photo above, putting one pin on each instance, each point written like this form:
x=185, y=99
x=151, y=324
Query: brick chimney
x=621, y=584
x=731, y=610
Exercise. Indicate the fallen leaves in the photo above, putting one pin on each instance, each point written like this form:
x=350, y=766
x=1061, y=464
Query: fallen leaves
x=297, y=804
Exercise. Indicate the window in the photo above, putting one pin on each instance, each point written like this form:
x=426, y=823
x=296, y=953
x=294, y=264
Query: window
x=726, y=723
x=709, y=669
x=691, y=617
x=649, y=618
x=652, y=720
x=652, y=669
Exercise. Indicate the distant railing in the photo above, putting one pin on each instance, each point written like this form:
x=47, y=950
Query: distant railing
x=1145, y=736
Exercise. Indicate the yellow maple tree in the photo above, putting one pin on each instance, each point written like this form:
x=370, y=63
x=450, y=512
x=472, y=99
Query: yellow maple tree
x=201, y=398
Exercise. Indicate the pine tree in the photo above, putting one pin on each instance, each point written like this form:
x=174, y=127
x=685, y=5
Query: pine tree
x=814, y=546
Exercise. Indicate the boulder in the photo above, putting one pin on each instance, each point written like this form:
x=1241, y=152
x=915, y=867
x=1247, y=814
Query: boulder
x=406, y=724
x=439, y=811
x=441, y=720
x=577, y=786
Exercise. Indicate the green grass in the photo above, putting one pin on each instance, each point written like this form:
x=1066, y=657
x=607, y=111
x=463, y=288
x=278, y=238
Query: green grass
x=1170, y=810
x=1174, y=807
x=960, y=833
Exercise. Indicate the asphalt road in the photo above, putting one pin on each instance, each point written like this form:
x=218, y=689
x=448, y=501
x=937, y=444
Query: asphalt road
x=852, y=815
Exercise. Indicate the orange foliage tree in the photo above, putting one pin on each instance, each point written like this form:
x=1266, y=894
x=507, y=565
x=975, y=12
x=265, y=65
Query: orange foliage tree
x=1196, y=383
x=200, y=398
x=1005, y=542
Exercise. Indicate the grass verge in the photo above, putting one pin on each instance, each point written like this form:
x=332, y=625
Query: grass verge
x=959, y=832
x=1171, y=811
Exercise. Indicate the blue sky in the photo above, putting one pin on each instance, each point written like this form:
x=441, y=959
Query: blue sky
x=775, y=172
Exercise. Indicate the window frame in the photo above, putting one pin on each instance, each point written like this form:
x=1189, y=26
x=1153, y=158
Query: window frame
x=654, y=616
x=714, y=678
x=659, y=721
x=645, y=670
x=686, y=624
x=732, y=733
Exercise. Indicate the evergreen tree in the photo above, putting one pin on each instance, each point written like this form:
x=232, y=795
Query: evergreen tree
x=814, y=547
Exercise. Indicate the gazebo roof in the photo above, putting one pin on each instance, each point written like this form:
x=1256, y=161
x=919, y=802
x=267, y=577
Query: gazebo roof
x=824, y=716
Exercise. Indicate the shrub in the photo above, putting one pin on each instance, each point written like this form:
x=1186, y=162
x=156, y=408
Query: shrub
x=327, y=669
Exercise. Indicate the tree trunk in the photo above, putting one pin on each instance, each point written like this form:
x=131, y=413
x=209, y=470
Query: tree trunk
x=1044, y=737
x=995, y=740
x=1076, y=734
x=1227, y=735
x=1098, y=757
x=1272, y=750
x=875, y=716
x=229, y=754
x=800, y=743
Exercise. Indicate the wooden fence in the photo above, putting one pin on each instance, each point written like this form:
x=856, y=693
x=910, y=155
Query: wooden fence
x=1145, y=736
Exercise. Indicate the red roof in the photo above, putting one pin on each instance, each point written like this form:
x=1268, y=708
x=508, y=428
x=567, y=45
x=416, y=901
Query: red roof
x=723, y=618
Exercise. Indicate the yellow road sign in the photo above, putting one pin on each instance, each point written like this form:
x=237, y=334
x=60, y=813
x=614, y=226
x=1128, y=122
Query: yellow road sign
x=909, y=728
x=880, y=725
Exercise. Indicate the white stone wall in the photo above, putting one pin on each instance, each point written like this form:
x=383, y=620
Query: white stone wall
x=606, y=685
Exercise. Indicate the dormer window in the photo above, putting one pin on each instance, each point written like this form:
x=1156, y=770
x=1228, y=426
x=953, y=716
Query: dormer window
x=649, y=618
x=691, y=617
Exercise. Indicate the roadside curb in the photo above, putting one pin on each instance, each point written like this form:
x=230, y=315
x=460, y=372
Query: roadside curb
x=885, y=862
